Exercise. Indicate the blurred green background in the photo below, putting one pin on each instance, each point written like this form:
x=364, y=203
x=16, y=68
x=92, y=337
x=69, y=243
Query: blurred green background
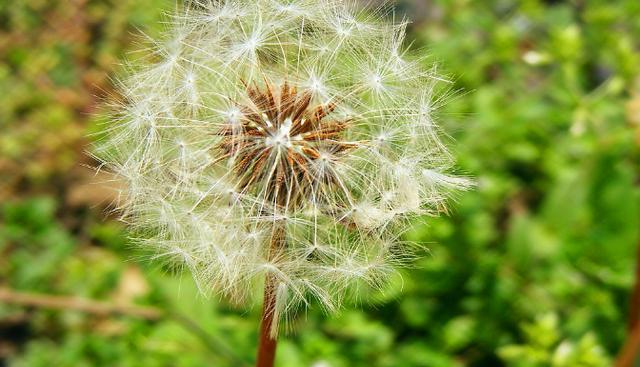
x=532, y=268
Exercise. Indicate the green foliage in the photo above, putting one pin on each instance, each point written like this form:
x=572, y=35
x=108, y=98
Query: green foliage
x=544, y=349
x=532, y=268
x=55, y=57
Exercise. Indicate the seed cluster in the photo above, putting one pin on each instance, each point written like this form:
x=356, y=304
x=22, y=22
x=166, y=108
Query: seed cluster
x=281, y=144
x=301, y=123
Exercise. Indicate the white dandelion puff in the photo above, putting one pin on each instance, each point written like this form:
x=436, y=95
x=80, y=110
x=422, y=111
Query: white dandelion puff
x=286, y=140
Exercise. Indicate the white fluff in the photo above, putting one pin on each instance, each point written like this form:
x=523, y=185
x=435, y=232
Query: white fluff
x=183, y=198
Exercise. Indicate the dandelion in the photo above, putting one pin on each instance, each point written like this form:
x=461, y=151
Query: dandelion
x=282, y=143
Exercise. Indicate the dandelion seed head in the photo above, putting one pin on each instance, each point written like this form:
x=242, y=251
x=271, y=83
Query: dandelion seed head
x=304, y=123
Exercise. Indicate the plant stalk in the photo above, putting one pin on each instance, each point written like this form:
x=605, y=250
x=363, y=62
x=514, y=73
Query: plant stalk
x=268, y=342
x=268, y=323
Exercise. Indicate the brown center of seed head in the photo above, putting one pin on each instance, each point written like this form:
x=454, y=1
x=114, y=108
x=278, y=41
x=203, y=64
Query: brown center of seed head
x=282, y=148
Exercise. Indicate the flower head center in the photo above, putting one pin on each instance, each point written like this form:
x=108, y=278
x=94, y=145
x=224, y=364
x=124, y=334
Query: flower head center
x=280, y=136
x=274, y=144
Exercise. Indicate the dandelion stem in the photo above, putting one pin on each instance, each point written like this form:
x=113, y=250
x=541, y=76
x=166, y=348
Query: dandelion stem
x=267, y=345
x=268, y=330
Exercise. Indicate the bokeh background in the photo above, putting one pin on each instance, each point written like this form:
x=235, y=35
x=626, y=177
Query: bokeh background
x=535, y=267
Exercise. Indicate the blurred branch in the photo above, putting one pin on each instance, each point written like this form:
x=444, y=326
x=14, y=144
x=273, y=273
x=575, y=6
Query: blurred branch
x=629, y=352
x=631, y=348
x=77, y=304
x=25, y=299
x=634, y=306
